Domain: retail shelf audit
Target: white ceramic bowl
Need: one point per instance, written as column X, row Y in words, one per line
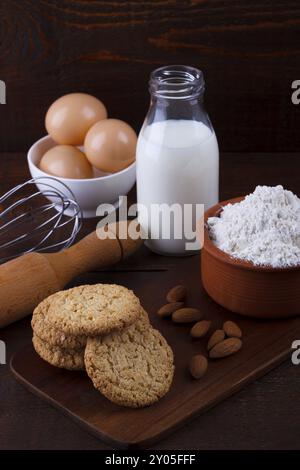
column 89, row 193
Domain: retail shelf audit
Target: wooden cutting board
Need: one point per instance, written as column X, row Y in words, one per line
column 265, row 345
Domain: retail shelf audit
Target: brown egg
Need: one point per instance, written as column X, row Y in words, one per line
column 66, row 161
column 110, row 145
column 70, row 117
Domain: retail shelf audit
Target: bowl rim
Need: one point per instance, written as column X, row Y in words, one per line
column 221, row 255
column 73, row 180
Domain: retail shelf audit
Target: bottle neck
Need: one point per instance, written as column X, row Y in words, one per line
column 177, row 93
column 177, row 83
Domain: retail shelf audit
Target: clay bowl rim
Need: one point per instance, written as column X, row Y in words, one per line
column 214, row 251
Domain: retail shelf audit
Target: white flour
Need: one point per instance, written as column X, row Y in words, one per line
column 264, row 228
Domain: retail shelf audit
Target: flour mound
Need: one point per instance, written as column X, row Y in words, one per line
column 264, row 228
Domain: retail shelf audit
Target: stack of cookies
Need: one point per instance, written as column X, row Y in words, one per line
column 103, row 329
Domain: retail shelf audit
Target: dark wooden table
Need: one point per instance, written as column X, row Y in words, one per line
column 265, row 415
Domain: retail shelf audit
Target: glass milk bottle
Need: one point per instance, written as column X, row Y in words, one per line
column 177, row 160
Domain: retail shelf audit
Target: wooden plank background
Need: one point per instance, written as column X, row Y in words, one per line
column 248, row 51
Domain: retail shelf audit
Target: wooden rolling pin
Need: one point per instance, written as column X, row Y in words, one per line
column 27, row 280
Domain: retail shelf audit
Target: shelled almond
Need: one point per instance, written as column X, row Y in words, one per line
column 198, row 366
column 200, row 329
column 225, row 348
column 177, row 294
column 187, row 315
column 168, row 309
column 232, row 330
column 216, row 337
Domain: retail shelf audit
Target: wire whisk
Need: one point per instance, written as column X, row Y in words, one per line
column 39, row 215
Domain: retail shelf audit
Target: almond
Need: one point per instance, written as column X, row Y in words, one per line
column 198, row 366
column 232, row 329
column 176, row 294
column 225, row 348
column 215, row 338
column 168, row 309
column 200, row 329
column 186, row 315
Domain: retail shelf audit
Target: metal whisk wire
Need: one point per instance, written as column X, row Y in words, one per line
column 46, row 218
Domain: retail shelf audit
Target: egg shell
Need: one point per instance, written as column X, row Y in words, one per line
column 66, row 161
column 70, row 117
column 110, row 145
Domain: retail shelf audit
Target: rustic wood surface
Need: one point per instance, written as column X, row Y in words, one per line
column 248, row 51
column 265, row 345
column 265, row 415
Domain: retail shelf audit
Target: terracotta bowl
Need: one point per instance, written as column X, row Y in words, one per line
column 239, row 286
